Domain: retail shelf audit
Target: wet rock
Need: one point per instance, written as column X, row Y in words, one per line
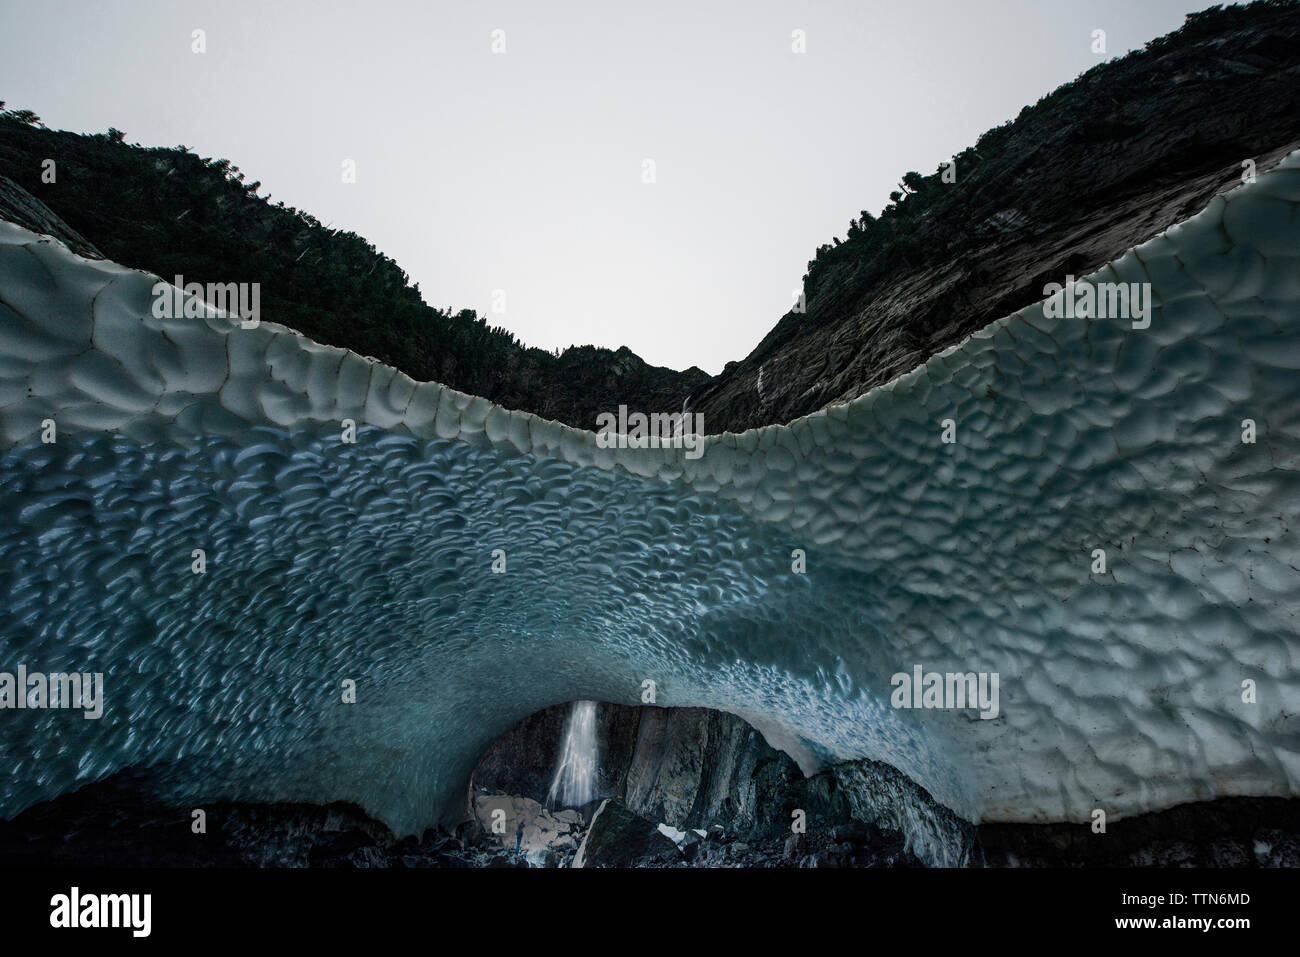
column 690, row 851
column 694, row 767
column 21, row 207
column 690, row 767
column 619, row 838
column 523, row 761
column 796, row 846
column 1274, row 847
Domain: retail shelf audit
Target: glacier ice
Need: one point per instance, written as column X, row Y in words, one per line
column 373, row 562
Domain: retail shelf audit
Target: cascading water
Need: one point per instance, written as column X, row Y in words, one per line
column 575, row 779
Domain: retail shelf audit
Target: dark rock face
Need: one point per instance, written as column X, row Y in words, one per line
column 619, row 838
column 21, row 207
column 845, row 798
column 1100, row 165
column 688, row 767
column 694, row 767
column 523, row 762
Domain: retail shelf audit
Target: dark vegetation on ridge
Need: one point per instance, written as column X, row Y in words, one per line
column 1103, row 163
column 171, row 212
column 1107, row 161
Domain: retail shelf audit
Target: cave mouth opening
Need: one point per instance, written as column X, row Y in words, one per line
column 585, row 783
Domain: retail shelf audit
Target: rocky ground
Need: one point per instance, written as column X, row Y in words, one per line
column 618, row 838
column 117, row 823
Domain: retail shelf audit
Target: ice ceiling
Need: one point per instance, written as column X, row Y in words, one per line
column 372, row 562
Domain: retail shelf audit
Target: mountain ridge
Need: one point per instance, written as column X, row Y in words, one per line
column 1129, row 148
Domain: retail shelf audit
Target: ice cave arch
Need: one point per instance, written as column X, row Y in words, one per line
column 372, row 562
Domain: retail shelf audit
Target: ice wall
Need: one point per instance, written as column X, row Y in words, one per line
column 373, row 562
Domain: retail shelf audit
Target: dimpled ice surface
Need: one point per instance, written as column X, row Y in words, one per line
column 373, row 562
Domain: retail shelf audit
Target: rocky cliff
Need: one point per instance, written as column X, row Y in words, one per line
column 689, row 767
column 21, row 207
column 1098, row 166
column 696, row 768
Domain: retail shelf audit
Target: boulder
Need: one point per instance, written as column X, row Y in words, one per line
column 619, row 838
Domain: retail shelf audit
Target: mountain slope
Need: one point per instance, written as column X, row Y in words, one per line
column 170, row 212
column 1096, row 167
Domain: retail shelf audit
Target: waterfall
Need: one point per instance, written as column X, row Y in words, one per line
column 575, row 778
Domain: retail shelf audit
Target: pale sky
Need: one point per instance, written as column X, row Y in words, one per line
column 522, row 171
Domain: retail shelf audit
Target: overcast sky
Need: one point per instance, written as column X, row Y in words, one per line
column 523, row 171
